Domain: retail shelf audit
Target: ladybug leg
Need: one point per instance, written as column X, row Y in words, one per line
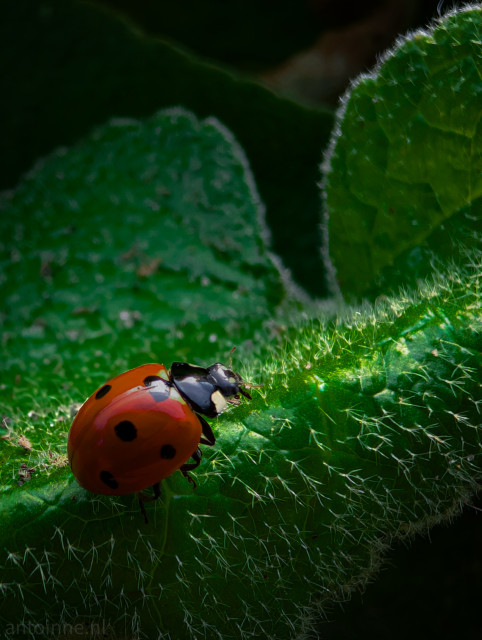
column 245, row 393
column 207, row 433
column 157, row 490
column 142, row 498
column 196, row 456
column 206, row 438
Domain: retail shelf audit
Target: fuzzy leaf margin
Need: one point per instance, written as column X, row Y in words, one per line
column 403, row 174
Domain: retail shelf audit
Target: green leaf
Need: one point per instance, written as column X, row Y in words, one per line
column 364, row 430
column 145, row 241
column 405, row 167
column 107, row 69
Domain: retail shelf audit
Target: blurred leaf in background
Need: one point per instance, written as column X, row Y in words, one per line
column 146, row 235
column 306, row 49
column 403, row 177
column 68, row 67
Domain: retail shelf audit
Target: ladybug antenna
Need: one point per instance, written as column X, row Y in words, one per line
column 231, row 357
column 246, row 385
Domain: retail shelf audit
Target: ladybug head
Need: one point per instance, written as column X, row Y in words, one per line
column 208, row 390
column 228, row 382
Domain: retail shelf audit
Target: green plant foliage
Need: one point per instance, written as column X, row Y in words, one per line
column 147, row 235
column 370, row 429
column 404, row 173
column 69, row 66
column 146, row 240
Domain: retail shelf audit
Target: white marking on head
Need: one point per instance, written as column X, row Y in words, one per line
column 219, row 401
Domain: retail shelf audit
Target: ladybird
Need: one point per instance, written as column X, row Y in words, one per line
column 145, row 424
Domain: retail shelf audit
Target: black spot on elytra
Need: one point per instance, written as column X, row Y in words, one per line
column 103, row 391
column 168, row 452
column 108, row 479
column 126, row 431
column 150, row 379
